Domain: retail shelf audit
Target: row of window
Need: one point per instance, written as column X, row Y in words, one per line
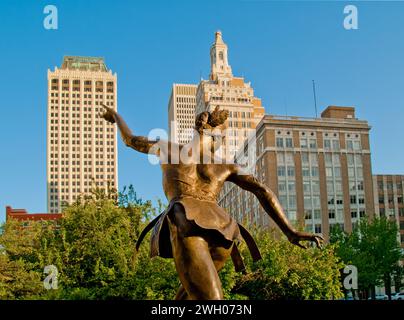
column 243, row 124
column 77, row 95
column 85, row 155
column 333, row 214
column 390, row 199
column 186, row 99
column 391, row 212
column 328, row 144
column 389, row 185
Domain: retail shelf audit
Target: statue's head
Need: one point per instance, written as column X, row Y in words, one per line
column 210, row 120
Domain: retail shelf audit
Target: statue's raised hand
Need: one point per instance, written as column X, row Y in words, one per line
column 109, row 114
column 298, row 236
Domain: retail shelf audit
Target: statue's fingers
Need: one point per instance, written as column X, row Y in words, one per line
column 300, row 245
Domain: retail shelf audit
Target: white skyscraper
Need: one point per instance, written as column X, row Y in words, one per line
column 81, row 146
column 181, row 112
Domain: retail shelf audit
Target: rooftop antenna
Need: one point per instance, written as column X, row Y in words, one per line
column 315, row 97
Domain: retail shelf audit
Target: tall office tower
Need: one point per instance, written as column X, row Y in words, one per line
column 319, row 168
column 181, row 112
column 230, row 93
column 81, row 146
column 389, row 194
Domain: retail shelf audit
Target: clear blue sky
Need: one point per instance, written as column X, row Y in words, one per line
column 278, row 46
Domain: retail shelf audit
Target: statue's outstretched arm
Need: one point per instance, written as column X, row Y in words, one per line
column 272, row 206
column 139, row 143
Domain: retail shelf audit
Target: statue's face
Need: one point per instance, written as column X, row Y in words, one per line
column 204, row 117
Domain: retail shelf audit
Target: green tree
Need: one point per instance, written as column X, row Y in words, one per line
column 287, row 272
column 373, row 248
column 21, row 259
column 94, row 251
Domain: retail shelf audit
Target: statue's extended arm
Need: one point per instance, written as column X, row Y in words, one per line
column 272, row 206
column 139, row 143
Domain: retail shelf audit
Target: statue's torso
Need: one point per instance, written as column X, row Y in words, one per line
column 199, row 181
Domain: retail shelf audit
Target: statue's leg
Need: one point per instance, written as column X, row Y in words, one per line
column 181, row 294
column 195, row 266
column 219, row 256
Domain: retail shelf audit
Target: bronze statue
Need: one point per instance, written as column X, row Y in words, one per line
column 194, row 230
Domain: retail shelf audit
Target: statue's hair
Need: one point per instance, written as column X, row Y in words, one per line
column 215, row 118
column 218, row 117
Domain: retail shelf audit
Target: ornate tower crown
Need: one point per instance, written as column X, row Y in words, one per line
column 219, row 65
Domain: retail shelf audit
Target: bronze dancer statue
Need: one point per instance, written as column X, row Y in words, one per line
column 194, row 230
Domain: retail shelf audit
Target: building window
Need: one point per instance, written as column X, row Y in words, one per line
column 289, row 143
column 330, row 187
column 317, row 214
column 317, row 228
column 280, row 157
column 316, row 201
column 289, row 158
column 281, row 171
column 312, row 144
column 382, row 212
column 292, row 215
column 340, row 215
column 283, row 201
column 327, row 144
column 279, row 142
column 331, row 213
column 336, row 160
column 335, row 144
column 291, row 187
column 354, row 214
column 292, row 201
column 307, row 202
column 316, row 186
column 306, row 187
column 328, row 158
column 351, row 161
column 282, row 187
